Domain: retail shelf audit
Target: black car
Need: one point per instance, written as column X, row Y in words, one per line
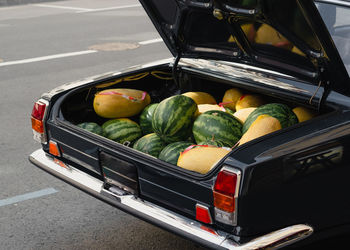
column 287, row 186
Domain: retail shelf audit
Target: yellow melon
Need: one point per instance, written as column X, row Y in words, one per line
column 206, row 107
column 268, row 35
column 118, row 103
column 230, row 98
column 201, row 97
column 201, row 159
column 242, row 114
column 304, row 114
column 297, row 51
column 248, row 101
column 263, row 125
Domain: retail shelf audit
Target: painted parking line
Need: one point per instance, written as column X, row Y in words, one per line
column 110, row 8
column 156, row 40
column 45, row 58
column 77, row 53
column 27, row 196
column 61, row 7
column 86, row 10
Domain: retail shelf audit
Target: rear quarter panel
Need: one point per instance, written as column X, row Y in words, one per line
column 297, row 176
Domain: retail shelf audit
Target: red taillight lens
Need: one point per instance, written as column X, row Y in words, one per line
column 226, row 183
column 224, row 191
column 203, row 214
column 39, row 111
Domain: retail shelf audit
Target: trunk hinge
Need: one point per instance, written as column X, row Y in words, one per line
column 174, row 70
column 325, row 82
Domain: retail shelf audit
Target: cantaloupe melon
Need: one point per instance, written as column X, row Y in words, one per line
column 201, row 158
column 201, row 97
column 242, row 114
column 118, row 103
column 206, row 107
column 248, row 101
column 231, row 97
column 304, row 114
column 263, row 125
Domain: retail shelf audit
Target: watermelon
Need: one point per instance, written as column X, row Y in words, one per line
column 122, row 130
column 172, row 151
column 146, row 118
column 150, row 144
column 281, row 112
column 92, row 127
column 172, row 119
column 106, row 123
column 217, row 125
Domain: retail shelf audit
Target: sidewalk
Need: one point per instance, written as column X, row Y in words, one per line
column 17, row 2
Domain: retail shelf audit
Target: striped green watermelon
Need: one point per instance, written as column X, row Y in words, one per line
column 172, row 151
column 172, row 120
column 92, row 127
column 150, row 144
column 146, row 118
column 106, row 123
column 217, row 125
column 281, row 112
column 122, row 130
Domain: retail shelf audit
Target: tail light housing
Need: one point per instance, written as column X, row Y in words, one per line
column 225, row 194
column 37, row 119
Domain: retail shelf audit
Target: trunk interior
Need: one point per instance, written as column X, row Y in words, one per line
column 77, row 106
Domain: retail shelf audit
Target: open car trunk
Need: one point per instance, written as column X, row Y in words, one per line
column 144, row 175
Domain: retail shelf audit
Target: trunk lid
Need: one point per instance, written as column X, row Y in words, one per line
column 287, row 36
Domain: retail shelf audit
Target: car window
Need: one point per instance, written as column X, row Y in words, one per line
column 337, row 20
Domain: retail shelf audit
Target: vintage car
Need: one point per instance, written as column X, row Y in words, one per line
column 284, row 187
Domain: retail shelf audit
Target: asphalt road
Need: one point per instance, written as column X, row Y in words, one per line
column 42, row 46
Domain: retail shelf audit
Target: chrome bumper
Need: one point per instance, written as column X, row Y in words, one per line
column 161, row 217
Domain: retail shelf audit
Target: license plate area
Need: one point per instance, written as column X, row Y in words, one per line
column 120, row 173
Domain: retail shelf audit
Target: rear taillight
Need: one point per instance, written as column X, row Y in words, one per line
column 225, row 194
column 37, row 118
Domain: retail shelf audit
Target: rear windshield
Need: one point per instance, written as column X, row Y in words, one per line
column 337, row 20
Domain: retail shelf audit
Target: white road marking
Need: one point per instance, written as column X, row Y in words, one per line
column 61, row 7
column 110, row 8
column 45, row 58
column 77, row 53
column 156, row 40
column 27, row 196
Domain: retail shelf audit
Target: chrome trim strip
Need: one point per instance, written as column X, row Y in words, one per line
column 163, row 217
column 121, row 175
column 75, row 84
column 76, row 150
column 79, row 162
column 337, row 2
column 241, row 72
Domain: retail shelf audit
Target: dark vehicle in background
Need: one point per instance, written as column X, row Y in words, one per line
column 289, row 187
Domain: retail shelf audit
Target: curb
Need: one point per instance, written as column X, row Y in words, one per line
column 19, row 2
